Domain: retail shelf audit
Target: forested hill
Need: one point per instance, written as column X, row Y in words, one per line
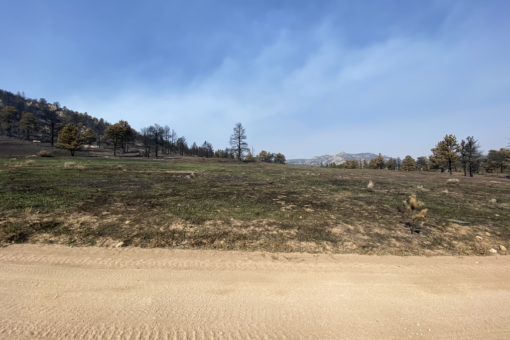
column 38, row 119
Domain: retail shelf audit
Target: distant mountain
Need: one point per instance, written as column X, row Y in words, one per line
column 339, row 158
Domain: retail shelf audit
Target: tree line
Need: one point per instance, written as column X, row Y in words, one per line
column 448, row 155
column 239, row 149
column 31, row 119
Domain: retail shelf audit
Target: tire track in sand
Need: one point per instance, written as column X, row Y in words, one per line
column 57, row 292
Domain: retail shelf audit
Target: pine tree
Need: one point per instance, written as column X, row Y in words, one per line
column 422, row 163
column 265, row 156
column 446, row 151
column 157, row 133
column 27, row 123
column 52, row 119
column 207, row 150
column 279, row 158
column 353, row 164
column 391, row 164
column 100, row 130
column 249, row 157
column 498, row 159
column 89, row 136
column 194, row 149
column 470, row 155
column 119, row 133
column 238, row 141
column 70, row 139
column 379, row 162
column 408, row 164
column 182, row 146
column 7, row 117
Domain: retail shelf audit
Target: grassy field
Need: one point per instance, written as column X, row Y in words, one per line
column 197, row 203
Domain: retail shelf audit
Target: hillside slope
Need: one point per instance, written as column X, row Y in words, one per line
column 38, row 119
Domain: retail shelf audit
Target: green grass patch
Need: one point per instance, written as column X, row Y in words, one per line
column 227, row 205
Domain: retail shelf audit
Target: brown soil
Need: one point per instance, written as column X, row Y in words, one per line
column 57, row 292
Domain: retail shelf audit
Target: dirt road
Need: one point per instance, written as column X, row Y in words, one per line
column 58, row 292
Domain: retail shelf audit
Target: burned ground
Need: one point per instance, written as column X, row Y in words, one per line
column 196, row 203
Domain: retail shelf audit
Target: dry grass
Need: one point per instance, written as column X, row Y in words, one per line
column 207, row 204
column 74, row 165
column 20, row 164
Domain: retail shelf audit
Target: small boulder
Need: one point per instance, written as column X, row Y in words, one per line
column 493, row 251
column 478, row 238
column 452, row 181
column 493, row 201
column 119, row 245
column 502, row 248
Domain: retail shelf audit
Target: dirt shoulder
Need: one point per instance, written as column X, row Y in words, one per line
column 61, row 292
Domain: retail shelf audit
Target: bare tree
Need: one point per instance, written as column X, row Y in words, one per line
column 157, row 133
column 182, row 146
column 146, row 142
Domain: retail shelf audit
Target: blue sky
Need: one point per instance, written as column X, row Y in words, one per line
column 304, row 77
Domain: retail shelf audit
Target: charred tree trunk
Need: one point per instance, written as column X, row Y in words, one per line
column 52, row 127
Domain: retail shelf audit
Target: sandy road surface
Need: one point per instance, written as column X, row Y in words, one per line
column 59, row 292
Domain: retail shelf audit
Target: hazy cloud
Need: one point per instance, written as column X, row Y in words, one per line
column 316, row 88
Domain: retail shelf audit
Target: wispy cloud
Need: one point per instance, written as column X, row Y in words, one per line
column 321, row 84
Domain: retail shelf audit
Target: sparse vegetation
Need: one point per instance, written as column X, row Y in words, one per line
column 210, row 201
column 200, row 203
column 73, row 165
column 417, row 213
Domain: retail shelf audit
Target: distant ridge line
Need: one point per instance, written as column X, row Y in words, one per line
column 339, row 158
